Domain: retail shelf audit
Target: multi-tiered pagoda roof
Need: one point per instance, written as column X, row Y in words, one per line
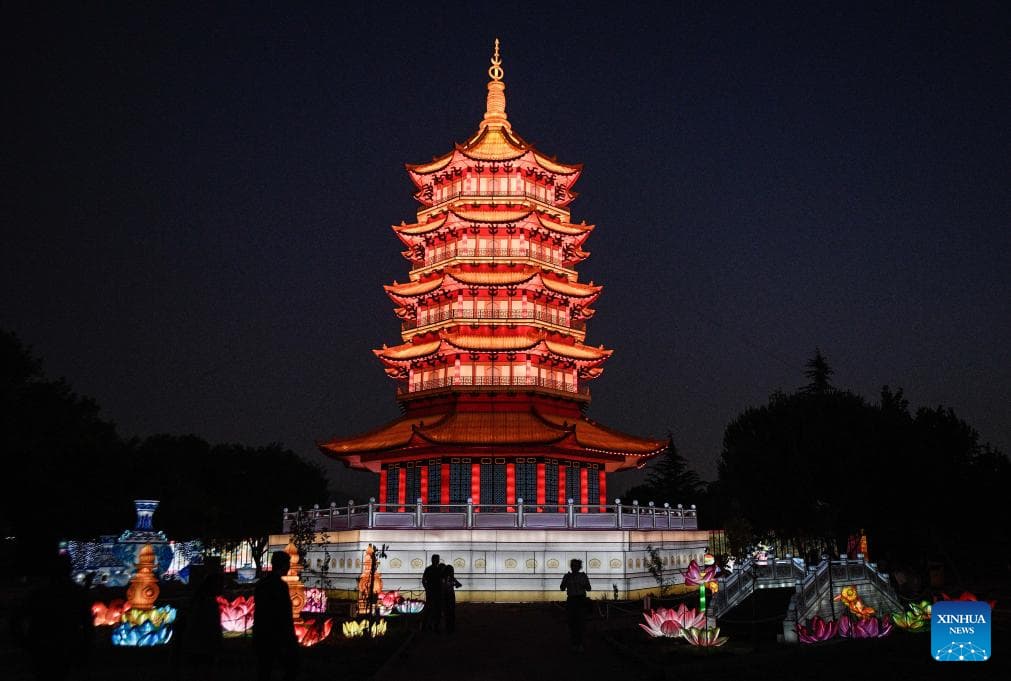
column 493, row 364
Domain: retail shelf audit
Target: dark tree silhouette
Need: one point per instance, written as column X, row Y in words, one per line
column 70, row 475
column 821, row 463
column 818, row 373
column 669, row 480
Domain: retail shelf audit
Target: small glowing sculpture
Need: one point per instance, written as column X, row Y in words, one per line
column 851, row 599
column 670, row 623
column 315, row 600
column 354, row 629
column 296, row 589
column 237, row 616
column 143, row 590
column 704, row 638
column 108, row 615
column 410, row 606
column 865, row 627
column 370, row 572
column 817, row 630
column 144, row 628
column 310, row 633
column 915, row 619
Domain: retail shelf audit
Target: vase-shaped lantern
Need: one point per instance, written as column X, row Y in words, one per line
column 143, row 590
column 296, row 589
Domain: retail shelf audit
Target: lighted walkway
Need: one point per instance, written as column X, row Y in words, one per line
column 504, row 642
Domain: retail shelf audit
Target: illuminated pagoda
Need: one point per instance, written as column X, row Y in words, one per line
column 493, row 369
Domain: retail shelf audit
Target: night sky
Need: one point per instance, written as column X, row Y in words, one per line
column 197, row 202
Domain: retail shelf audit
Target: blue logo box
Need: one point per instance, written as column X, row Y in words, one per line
column 960, row 631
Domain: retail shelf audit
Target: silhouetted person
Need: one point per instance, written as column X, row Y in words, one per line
column 431, row 579
column 273, row 628
column 575, row 584
column 199, row 630
column 449, row 587
column 55, row 625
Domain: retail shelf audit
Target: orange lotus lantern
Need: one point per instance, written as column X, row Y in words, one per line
column 108, row 615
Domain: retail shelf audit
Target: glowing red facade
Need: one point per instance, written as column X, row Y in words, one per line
column 492, row 372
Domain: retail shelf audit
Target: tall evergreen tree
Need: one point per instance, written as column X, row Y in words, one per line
column 819, row 374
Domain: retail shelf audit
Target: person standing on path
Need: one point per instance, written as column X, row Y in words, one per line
column 575, row 584
column 273, row 627
column 431, row 579
column 449, row 587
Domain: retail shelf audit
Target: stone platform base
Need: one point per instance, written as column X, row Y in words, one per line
column 503, row 566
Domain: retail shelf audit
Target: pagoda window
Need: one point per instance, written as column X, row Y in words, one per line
column 413, row 482
column 593, row 483
column 459, row 481
column 392, row 482
column 493, row 482
column 572, row 481
column 526, row 480
column 551, row 482
column 434, row 482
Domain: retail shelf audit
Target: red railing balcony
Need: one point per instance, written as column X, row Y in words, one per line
column 532, row 252
column 437, row 317
column 406, row 389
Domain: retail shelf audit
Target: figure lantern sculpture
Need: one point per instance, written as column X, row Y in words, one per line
column 315, row 600
column 851, row 599
column 370, row 582
column 296, row 589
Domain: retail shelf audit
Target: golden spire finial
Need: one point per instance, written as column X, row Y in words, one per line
column 495, row 71
column 495, row 114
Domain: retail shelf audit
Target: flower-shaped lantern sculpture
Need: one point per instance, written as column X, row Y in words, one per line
column 915, row 619
column 309, row 633
column 817, row 630
column 704, row 638
column 670, row 623
column 237, row 616
column 705, row 579
column 865, row 627
column 108, row 615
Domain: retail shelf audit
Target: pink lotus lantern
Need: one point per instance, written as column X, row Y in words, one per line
column 237, row 616
column 669, row 623
column 310, row 633
column 866, row 627
column 109, row 615
column 817, row 630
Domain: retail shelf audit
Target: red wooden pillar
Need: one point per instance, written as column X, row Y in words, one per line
column 511, row 486
column 475, row 483
column 401, row 487
column 603, row 490
column 382, row 488
column 540, row 488
column 424, row 484
column 444, row 483
column 561, row 486
column 584, row 489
